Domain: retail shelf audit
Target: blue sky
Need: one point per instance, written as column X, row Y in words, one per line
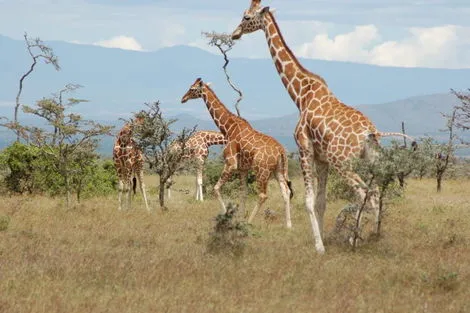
column 426, row 33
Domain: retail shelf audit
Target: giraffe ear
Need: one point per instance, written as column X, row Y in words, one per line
column 273, row 10
column 209, row 84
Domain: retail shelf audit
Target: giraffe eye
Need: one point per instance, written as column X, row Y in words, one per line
column 246, row 17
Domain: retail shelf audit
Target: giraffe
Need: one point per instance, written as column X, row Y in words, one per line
column 197, row 148
column 129, row 163
column 246, row 149
column 328, row 133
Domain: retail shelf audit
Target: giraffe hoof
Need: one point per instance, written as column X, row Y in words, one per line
column 320, row 249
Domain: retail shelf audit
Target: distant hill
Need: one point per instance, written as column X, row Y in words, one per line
column 118, row 82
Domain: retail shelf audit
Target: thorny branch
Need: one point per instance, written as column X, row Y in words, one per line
column 225, row 43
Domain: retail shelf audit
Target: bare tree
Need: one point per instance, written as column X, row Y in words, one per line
column 155, row 139
column 37, row 50
column 225, row 43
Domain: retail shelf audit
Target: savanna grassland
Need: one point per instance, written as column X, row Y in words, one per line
column 93, row 258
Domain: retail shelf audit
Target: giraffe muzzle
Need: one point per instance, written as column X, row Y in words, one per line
column 184, row 99
column 237, row 33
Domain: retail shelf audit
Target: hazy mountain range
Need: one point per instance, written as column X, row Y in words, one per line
column 118, row 82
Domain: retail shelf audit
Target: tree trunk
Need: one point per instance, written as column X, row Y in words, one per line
column 161, row 195
column 439, row 182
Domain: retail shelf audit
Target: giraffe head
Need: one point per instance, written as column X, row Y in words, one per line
column 252, row 20
column 195, row 91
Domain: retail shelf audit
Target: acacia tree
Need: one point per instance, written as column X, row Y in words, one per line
column 155, row 139
column 70, row 141
column 37, row 51
column 225, row 43
column 440, row 155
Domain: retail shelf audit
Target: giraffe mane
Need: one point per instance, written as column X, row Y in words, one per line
column 290, row 51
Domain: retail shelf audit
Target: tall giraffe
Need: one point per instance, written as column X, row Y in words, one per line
column 129, row 163
column 246, row 149
column 197, row 148
column 328, row 133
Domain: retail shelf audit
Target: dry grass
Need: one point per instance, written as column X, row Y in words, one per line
column 95, row 259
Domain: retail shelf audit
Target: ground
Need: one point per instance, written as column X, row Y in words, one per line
column 93, row 258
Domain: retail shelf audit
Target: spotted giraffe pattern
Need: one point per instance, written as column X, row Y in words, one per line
column 129, row 164
column 246, row 149
column 197, row 148
column 328, row 133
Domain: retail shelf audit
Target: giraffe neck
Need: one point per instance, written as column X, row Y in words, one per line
column 292, row 73
column 223, row 118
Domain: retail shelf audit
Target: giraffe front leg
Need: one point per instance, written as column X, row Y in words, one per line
column 199, row 195
column 120, row 191
column 127, row 190
column 306, row 158
column 140, row 178
column 226, row 173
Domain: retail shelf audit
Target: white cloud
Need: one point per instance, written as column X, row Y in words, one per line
column 440, row 46
column 121, row 42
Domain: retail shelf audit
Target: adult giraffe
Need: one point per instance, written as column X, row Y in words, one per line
column 328, row 132
column 129, row 163
column 197, row 148
column 246, row 149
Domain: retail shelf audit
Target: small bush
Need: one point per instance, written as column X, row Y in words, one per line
column 228, row 235
column 4, row 222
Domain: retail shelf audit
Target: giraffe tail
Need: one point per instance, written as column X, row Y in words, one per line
column 414, row 144
column 396, row 134
column 285, row 171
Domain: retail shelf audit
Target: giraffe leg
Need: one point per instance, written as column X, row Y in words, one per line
column 120, row 191
column 285, row 192
column 168, row 187
column 226, row 173
column 140, row 178
column 244, row 192
column 321, row 169
column 199, row 195
column 127, row 191
column 306, row 157
column 262, row 196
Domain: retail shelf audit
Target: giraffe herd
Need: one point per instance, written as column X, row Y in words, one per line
column 328, row 134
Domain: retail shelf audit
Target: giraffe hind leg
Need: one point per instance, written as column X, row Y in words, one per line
column 262, row 182
column 286, row 195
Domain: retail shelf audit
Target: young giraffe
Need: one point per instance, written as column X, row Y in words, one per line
column 246, row 149
column 129, row 163
column 328, row 132
column 197, row 148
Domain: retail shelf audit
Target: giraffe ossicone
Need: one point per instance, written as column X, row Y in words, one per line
column 328, row 133
column 129, row 163
column 246, row 149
